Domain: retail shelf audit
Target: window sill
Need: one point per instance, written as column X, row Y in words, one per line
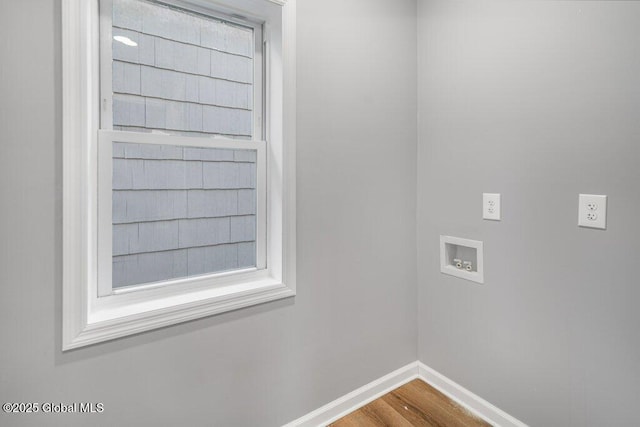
column 118, row 320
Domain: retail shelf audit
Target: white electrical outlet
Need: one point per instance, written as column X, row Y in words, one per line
column 592, row 211
column 491, row 206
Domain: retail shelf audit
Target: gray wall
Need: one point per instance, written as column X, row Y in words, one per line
column 538, row 101
column 354, row 318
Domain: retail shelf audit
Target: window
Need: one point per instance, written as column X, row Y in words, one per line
column 182, row 203
column 179, row 174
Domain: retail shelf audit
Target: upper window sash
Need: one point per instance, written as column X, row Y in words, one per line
column 206, row 13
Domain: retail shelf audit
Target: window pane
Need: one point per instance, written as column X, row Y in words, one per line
column 181, row 211
column 180, row 72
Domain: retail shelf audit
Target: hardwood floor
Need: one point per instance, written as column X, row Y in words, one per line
column 414, row 404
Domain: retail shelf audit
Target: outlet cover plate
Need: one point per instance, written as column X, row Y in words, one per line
column 491, row 206
column 592, row 211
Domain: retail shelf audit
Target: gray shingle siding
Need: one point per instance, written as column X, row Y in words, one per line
column 152, row 19
column 143, row 53
column 158, row 205
column 183, row 57
column 212, row 258
column 228, row 175
column 193, row 209
column 186, row 74
column 195, row 153
column 204, row 232
column 231, row 67
column 148, row 151
column 149, row 205
column 156, row 174
column 212, row 203
column 246, row 254
column 126, row 78
column 156, row 266
column 139, row 174
column 246, row 202
column 152, row 267
column 129, row 110
column 180, row 211
column 162, row 114
column 243, row 228
column 176, row 116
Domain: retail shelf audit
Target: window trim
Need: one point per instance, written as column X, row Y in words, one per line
column 88, row 319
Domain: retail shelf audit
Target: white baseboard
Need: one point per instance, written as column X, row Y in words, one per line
column 357, row 398
column 367, row 393
column 454, row 391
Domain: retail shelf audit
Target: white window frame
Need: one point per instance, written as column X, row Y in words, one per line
column 107, row 136
column 89, row 318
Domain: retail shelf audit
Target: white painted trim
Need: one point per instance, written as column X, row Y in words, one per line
column 469, row 400
column 124, row 324
column 357, row 398
column 258, row 106
column 105, row 10
column 105, row 216
column 289, row 135
column 161, row 138
column 74, row 205
column 377, row 388
column 88, row 319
